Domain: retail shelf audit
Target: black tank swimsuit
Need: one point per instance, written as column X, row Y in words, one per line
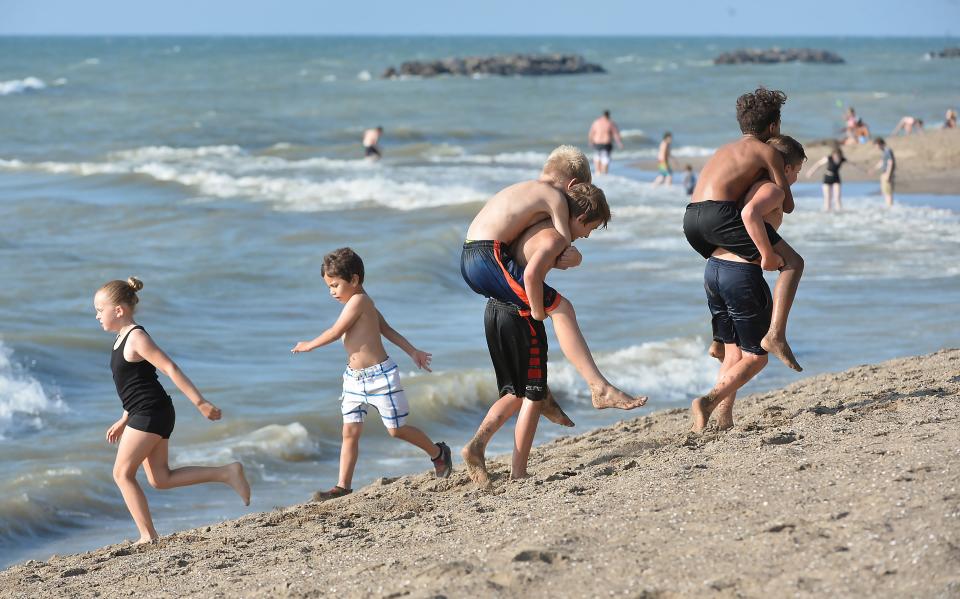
column 832, row 173
column 143, row 397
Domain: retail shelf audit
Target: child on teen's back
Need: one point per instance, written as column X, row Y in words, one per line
column 371, row 377
column 144, row 430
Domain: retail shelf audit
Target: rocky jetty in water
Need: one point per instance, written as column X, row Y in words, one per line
column 527, row 65
column 775, row 55
column 945, row 53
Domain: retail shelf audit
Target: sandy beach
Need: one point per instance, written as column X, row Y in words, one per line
column 844, row 484
column 926, row 163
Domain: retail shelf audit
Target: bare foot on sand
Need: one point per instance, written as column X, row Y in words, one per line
column 717, row 350
column 608, row 396
column 146, row 541
column 519, row 475
column 239, row 482
column 701, row 408
column 553, row 412
column 779, row 347
column 472, row 454
column 724, row 415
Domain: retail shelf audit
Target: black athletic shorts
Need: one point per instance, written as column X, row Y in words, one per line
column 158, row 420
column 709, row 225
column 518, row 348
column 740, row 303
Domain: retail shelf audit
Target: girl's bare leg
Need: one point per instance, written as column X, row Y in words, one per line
column 160, row 476
column 836, row 197
column 826, row 197
column 134, row 448
column 574, row 348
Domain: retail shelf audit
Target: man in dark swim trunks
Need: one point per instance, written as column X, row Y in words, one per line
column 371, row 137
column 603, row 132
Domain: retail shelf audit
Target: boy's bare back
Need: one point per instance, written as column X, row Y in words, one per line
column 512, row 210
column 734, row 168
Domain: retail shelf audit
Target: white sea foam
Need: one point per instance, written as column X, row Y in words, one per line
column 23, row 402
column 274, row 442
column 676, row 152
column 668, row 371
column 19, row 86
column 364, row 76
column 632, row 133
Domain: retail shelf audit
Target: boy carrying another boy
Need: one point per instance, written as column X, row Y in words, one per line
column 371, row 377
column 518, row 344
column 489, row 268
column 712, row 220
column 739, row 298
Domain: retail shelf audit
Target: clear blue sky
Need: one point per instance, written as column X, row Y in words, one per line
column 485, row 17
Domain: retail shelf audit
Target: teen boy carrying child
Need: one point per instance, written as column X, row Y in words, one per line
column 489, row 268
column 738, row 297
column 371, row 377
column 518, row 344
column 713, row 219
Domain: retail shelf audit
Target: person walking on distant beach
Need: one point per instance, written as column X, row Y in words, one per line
column 664, row 170
column 950, row 119
column 831, row 176
column 144, row 430
column 603, row 133
column 887, row 167
column 371, row 379
column 371, row 139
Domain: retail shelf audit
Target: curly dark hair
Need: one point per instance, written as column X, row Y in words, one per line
column 758, row 110
column 343, row 263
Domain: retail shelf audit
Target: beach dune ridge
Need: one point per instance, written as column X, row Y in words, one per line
column 843, row 484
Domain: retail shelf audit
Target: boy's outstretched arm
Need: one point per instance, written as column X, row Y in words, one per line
column 420, row 358
column 766, row 200
column 543, row 258
column 774, row 162
column 560, row 214
column 346, row 319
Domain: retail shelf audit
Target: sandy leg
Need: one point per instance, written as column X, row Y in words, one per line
column 716, row 350
column 238, row 481
column 472, row 454
column 779, row 347
column 552, row 411
column 701, row 408
column 608, row 396
column 724, row 414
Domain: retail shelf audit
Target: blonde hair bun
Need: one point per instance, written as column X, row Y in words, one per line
column 135, row 283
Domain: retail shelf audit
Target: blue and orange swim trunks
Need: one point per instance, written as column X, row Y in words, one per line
column 490, row 270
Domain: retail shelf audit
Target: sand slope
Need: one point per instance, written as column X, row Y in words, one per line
column 839, row 485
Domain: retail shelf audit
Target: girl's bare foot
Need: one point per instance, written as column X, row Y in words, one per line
column 552, row 411
column 519, row 475
column 238, row 481
column 608, row 396
column 716, row 350
column 779, row 347
column 146, row 540
column 472, row 454
column 701, row 408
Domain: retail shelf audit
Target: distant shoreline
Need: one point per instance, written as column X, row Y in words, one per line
column 928, row 162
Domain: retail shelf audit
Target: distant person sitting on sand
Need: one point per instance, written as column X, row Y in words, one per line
column 664, row 171
column 739, row 298
column 371, row 137
column 518, row 345
column 689, row 179
column 713, row 219
column 862, row 132
column 490, row 269
column 603, row 133
column 371, row 379
column 831, row 176
column 950, row 119
column 907, row 124
column 148, row 416
column 887, row 167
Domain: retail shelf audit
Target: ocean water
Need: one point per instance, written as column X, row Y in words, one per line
column 220, row 170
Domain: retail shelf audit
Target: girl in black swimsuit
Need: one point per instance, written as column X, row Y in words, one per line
column 148, row 416
column 831, row 176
